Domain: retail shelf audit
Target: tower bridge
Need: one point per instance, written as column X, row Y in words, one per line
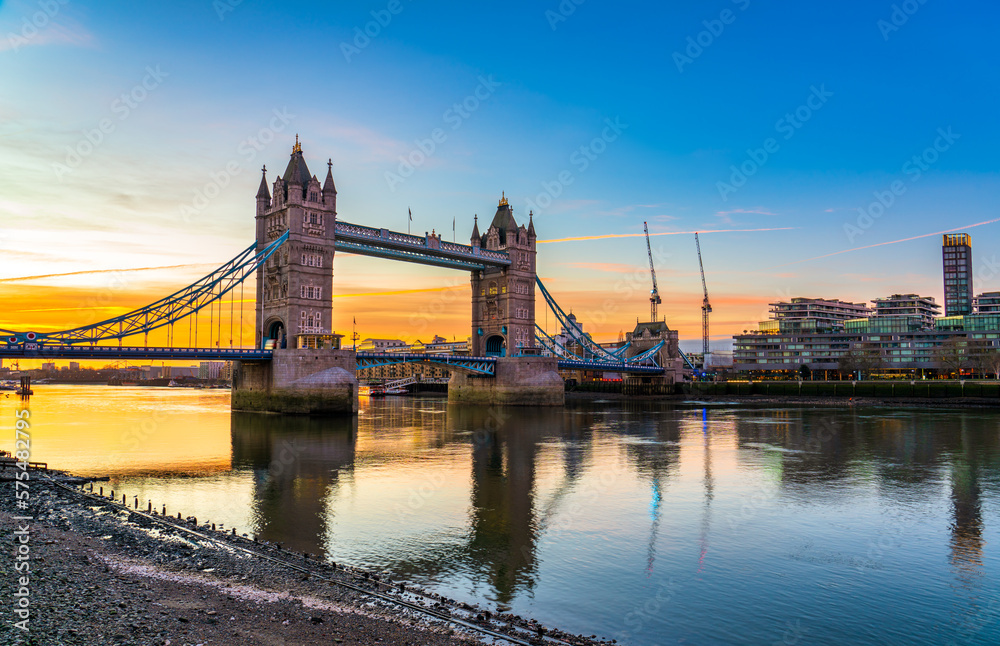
column 297, row 365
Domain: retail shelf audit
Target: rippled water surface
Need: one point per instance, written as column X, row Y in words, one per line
column 649, row 523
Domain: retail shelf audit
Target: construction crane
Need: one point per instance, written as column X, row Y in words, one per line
column 654, row 294
column 706, row 307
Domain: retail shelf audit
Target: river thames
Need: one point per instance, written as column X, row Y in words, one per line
column 650, row 523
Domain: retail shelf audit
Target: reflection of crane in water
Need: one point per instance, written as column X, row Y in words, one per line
column 657, row 460
column 706, row 519
column 654, row 529
column 573, row 463
column 656, row 514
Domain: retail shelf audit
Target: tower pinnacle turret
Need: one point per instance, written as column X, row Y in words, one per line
column 263, row 192
column 263, row 195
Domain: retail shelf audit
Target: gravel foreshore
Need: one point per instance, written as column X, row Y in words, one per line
column 104, row 574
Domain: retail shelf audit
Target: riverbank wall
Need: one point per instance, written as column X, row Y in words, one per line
column 922, row 390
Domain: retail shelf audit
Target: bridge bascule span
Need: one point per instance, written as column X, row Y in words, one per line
column 296, row 363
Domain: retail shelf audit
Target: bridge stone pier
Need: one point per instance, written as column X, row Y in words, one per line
column 519, row 381
column 298, row 381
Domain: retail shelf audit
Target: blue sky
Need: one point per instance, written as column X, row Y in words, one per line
column 550, row 77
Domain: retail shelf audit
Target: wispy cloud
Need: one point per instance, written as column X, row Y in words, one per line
column 609, row 267
column 374, row 146
column 61, row 30
column 726, row 216
column 17, row 279
column 662, row 233
column 890, row 242
column 623, row 211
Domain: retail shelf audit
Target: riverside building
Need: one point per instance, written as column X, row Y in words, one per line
column 900, row 337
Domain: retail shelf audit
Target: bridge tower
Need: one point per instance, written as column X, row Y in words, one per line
column 503, row 299
column 295, row 287
column 295, row 297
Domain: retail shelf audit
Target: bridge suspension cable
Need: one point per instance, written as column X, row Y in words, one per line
column 572, row 327
column 183, row 303
column 577, row 335
column 552, row 345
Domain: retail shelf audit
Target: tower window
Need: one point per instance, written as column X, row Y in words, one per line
column 312, row 260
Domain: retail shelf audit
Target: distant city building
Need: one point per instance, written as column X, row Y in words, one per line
column 49, row 365
column 423, row 371
column 717, row 359
column 381, row 345
column 564, row 339
column 210, row 369
column 987, row 303
column 958, row 288
column 440, row 345
column 74, row 365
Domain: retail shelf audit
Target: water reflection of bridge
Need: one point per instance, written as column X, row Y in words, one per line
column 301, row 465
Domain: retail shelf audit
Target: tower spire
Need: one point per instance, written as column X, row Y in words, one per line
column 329, row 188
column 263, row 192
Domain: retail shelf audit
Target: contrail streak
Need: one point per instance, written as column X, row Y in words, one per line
column 882, row 244
column 665, row 233
column 99, row 271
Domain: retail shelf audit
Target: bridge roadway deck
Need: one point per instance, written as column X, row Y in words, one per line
column 28, row 351
column 36, row 351
column 425, row 250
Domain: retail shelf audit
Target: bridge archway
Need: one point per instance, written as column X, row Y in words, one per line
column 276, row 331
column 495, row 345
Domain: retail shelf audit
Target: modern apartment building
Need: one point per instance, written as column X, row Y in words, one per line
column 987, row 303
column 811, row 315
column 923, row 308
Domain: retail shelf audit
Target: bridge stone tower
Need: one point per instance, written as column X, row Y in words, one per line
column 295, row 286
column 503, row 299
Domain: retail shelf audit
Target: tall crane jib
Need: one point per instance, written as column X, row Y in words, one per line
column 706, row 307
column 654, row 294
